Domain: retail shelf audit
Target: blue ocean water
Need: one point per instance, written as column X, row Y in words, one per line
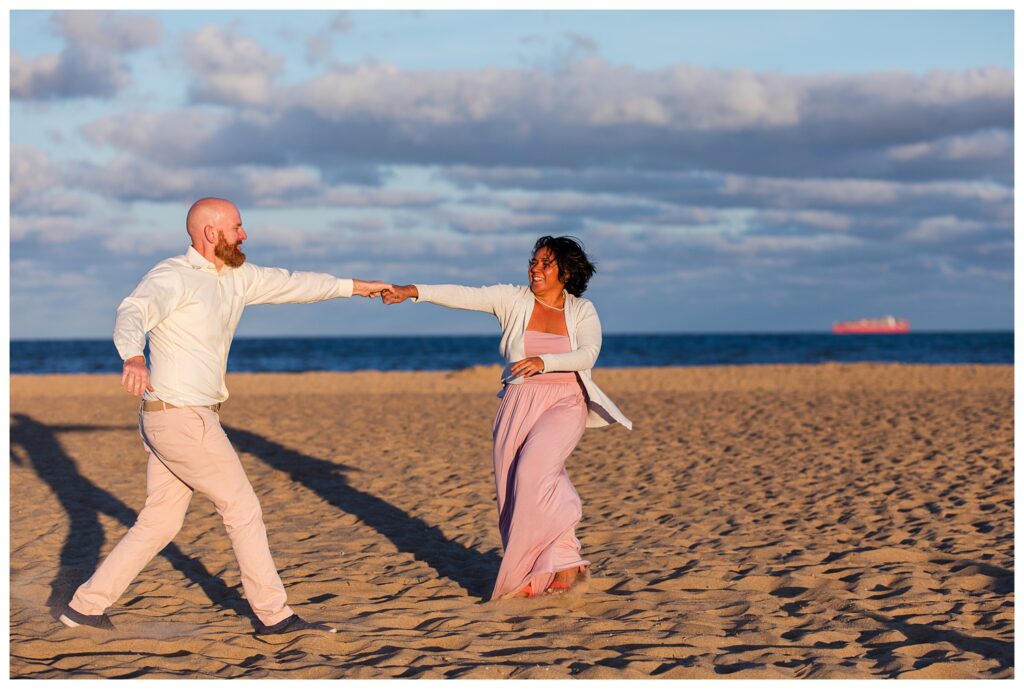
column 457, row 352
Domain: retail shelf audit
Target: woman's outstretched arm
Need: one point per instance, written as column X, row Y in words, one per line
column 494, row 299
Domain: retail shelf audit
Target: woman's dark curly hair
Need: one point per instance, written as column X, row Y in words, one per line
column 574, row 268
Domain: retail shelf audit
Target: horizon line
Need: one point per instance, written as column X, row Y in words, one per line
column 621, row 333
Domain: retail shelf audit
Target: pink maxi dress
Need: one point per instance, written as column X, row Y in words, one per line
column 538, row 425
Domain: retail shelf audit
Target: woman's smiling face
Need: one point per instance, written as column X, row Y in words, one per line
column 543, row 272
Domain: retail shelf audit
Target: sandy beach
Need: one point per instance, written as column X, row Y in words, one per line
column 831, row 521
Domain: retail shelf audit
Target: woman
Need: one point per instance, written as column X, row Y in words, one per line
column 551, row 338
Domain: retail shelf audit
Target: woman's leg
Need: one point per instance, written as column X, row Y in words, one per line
column 540, row 507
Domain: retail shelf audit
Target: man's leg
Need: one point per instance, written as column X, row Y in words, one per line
column 192, row 444
column 158, row 522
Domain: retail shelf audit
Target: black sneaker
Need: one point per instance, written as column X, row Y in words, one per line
column 73, row 618
column 293, row 624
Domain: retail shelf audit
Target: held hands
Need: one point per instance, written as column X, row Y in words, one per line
column 371, row 288
column 524, row 368
column 135, row 376
column 396, row 294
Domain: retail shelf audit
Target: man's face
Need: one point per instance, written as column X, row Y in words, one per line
column 229, row 238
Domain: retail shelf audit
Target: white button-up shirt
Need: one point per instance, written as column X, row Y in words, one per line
column 191, row 310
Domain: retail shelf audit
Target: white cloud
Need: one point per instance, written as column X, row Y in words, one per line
column 134, row 179
column 32, row 173
column 679, row 98
column 483, row 222
column 36, row 186
column 591, row 115
column 229, row 69
column 571, row 202
column 365, row 197
column 136, row 242
column 34, row 275
column 279, row 186
column 822, row 220
column 318, row 46
column 986, row 144
column 942, row 229
column 92, row 62
column 386, row 92
column 117, row 32
column 52, row 229
column 702, row 190
column 160, row 137
column 128, row 178
column 752, row 249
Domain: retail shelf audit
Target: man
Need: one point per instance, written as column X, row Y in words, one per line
column 190, row 305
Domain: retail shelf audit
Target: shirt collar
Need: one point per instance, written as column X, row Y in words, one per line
column 198, row 261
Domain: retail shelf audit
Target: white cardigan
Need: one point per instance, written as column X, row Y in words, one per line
column 513, row 306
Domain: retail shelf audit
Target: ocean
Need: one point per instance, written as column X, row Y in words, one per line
column 440, row 353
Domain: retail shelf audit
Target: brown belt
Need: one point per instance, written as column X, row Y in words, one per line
column 160, row 405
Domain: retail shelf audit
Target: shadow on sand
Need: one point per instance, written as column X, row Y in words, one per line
column 472, row 570
column 84, row 501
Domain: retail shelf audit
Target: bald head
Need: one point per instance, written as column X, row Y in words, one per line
column 205, row 212
column 215, row 227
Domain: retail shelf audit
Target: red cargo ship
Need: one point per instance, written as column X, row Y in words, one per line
column 872, row 326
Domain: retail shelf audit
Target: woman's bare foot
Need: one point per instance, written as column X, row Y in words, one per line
column 567, row 576
column 564, row 580
column 525, row 592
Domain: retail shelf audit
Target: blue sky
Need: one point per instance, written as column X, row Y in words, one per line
column 729, row 171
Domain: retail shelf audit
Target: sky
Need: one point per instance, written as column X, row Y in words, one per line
column 727, row 171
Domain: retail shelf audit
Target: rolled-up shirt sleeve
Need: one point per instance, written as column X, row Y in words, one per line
column 588, row 345
column 280, row 286
column 152, row 300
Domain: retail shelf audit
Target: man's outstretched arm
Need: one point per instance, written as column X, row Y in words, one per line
column 279, row 286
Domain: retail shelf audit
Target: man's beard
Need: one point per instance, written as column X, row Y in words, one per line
column 229, row 253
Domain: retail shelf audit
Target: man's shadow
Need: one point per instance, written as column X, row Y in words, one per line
column 84, row 501
column 474, row 571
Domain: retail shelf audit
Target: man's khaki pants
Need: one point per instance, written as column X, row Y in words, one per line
column 188, row 452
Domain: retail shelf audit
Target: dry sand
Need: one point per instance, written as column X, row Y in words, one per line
column 826, row 521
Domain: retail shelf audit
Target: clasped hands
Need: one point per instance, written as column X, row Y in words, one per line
column 396, row 294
